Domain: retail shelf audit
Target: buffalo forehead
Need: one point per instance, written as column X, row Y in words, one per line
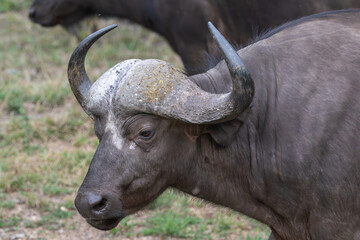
column 151, row 82
column 102, row 91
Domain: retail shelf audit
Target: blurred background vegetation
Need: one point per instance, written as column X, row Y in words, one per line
column 47, row 142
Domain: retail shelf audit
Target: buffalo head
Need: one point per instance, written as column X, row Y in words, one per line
column 63, row 12
column 147, row 117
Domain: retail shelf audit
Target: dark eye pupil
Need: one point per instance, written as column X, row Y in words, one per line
column 146, row 133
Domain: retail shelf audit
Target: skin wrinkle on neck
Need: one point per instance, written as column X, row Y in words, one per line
column 221, row 187
column 213, row 81
column 250, row 203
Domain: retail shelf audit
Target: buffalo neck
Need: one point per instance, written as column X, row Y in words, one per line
column 224, row 175
column 223, row 169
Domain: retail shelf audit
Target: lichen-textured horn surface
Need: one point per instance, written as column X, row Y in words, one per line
column 78, row 78
column 155, row 87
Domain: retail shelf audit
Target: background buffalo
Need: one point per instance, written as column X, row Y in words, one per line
column 183, row 23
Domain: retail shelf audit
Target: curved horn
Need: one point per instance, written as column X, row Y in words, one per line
column 155, row 87
column 78, row 79
column 242, row 83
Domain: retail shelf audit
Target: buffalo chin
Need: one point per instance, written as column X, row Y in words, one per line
column 104, row 224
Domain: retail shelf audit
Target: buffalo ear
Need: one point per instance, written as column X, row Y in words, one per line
column 224, row 133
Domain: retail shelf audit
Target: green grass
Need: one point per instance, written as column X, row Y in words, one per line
column 258, row 237
column 165, row 200
column 7, row 223
column 47, row 141
column 222, row 225
column 13, row 5
column 55, row 218
column 54, row 190
column 7, row 204
column 169, row 224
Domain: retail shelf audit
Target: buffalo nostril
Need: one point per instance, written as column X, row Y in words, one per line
column 100, row 206
column 32, row 13
column 96, row 202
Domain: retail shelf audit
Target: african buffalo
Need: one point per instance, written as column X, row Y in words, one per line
column 272, row 131
column 183, row 23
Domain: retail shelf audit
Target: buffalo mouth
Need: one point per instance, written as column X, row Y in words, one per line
column 104, row 224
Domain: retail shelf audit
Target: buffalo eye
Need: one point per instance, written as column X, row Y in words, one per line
column 146, row 134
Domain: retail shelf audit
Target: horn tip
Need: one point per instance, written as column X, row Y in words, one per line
column 216, row 34
column 112, row 26
column 108, row 28
column 211, row 27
